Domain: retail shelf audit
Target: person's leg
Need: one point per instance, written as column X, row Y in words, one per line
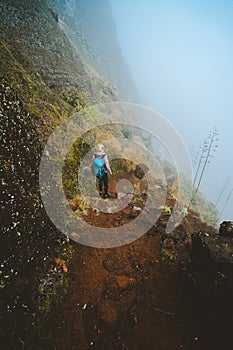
column 100, row 184
column 105, row 180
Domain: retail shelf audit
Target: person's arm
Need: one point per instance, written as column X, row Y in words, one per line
column 93, row 157
column 106, row 162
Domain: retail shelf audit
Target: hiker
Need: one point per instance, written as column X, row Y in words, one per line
column 101, row 168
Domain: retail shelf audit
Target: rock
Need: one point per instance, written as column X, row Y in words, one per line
column 125, row 282
column 226, row 229
column 210, row 268
column 208, row 285
column 137, row 208
column 213, row 248
column 133, row 214
column 141, row 170
column 127, row 211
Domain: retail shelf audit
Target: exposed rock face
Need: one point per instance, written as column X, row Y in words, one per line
column 212, row 248
column 210, row 286
column 94, row 32
column 41, row 45
column 211, row 264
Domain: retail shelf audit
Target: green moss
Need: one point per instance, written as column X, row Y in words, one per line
column 166, row 209
column 78, row 100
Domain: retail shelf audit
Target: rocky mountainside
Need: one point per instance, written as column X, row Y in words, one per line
column 93, row 31
column 44, row 80
column 31, row 33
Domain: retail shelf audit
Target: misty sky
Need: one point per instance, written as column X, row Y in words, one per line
column 181, row 57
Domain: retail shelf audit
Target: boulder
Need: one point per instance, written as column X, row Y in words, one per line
column 208, row 286
column 141, row 170
column 226, row 229
column 213, row 248
column 210, row 267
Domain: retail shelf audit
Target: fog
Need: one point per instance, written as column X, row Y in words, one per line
column 181, row 57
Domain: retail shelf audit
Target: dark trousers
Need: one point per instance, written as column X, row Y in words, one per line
column 103, row 180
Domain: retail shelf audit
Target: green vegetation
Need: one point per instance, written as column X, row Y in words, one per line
column 184, row 211
column 77, row 100
column 128, row 134
column 166, row 209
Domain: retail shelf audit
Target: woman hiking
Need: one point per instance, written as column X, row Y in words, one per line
column 101, row 168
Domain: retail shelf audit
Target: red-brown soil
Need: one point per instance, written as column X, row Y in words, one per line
column 129, row 297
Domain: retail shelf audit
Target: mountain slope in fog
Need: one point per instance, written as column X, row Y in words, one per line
column 94, row 32
column 32, row 33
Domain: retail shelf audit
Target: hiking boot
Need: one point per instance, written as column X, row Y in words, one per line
column 106, row 195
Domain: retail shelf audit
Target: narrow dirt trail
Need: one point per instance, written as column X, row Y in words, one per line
column 129, row 297
column 123, row 298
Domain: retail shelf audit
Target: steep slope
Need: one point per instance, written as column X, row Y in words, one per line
column 94, row 32
column 38, row 43
column 44, row 80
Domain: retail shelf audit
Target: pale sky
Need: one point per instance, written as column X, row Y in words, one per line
column 181, row 57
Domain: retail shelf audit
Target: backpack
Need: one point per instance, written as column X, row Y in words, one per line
column 98, row 166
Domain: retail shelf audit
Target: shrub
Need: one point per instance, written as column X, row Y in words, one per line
column 128, row 134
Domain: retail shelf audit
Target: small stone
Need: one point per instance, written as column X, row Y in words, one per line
column 125, row 282
column 84, row 306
